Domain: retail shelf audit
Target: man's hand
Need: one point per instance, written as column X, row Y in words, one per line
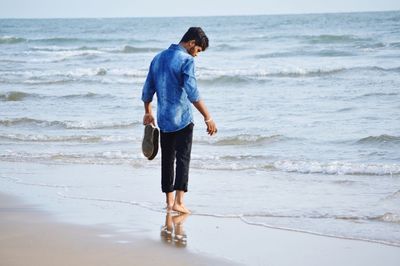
column 148, row 119
column 211, row 127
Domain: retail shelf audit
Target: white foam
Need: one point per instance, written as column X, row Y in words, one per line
column 142, row 73
column 96, row 74
column 89, row 124
column 336, row 167
column 390, row 217
column 105, row 158
column 61, row 55
column 257, row 73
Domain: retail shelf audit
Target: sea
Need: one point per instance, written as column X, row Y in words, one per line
column 307, row 108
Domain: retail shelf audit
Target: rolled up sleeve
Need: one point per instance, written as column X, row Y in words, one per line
column 149, row 87
column 189, row 81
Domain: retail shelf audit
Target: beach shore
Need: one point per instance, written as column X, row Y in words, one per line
column 29, row 236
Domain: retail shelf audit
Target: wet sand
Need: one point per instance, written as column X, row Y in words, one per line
column 29, row 236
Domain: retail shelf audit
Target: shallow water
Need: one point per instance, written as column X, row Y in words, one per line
column 307, row 108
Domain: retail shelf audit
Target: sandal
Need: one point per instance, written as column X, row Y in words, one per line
column 150, row 141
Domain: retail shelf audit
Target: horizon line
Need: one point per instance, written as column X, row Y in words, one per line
column 221, row 15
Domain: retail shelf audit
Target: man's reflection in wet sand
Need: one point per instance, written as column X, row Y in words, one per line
column 172, row 231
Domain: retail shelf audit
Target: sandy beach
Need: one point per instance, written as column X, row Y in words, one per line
column 29, row 236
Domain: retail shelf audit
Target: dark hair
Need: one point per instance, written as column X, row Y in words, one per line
column 198, row 35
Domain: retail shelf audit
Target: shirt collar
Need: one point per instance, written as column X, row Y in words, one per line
column 178, row 47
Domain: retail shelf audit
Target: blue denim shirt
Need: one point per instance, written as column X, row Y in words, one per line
column 171, row 76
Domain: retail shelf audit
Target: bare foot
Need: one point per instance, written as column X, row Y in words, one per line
column 180, row 208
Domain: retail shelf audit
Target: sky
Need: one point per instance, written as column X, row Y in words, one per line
column 173, row 8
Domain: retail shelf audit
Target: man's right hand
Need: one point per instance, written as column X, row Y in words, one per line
column 211, row 127
column 148, row 119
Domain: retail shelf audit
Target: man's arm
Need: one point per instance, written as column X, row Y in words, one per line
column 211, row 126
column 148, row 117
column 147, row 96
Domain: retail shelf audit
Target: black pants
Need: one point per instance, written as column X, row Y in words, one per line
column 176, row 146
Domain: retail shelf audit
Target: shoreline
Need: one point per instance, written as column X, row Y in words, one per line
column 31, row 236
column 26, row 229
column 116, row 212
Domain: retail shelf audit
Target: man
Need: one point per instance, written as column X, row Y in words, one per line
column 171, row 76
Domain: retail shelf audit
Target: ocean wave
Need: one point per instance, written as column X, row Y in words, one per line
column 277, row 55
column 94, row 74
column 388, row 217
column 62, row 40
column 15, row 96
column 336, row 168
column 85, row 80
column 55, row 54
column 63, row 55
column 205, row 76
column 260, row 74
column 11, row 40
column 245, row 76
column 306, row 72
column 61, row 77
column 84, row 50
column 226, row 47
column 215, row 75
column 67, row 40
column 346, row 109
column 372, row 46
column 62, row 49
column 386, row 139
column 74, row 138
column 378, row 94
column 98, row 124
column 131, row 50
column 380, row 69
column 135, row 73
column 314, row 39
column 229, row 79
column 313, row 215
column 395, row 44
column 88, row 95
column 332, row 53
column 234, row 76
column 9, row 60
column 53, row 81
column 45, row 138
column 394, row 195
column 57, row 40
column 106, row 157
column 330, row 38
column 25, row 121
column 265, row 163
column 226, row 162
column 244, row 139
column 320, row 53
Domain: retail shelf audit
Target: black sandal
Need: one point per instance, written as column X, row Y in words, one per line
column 150, row 141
